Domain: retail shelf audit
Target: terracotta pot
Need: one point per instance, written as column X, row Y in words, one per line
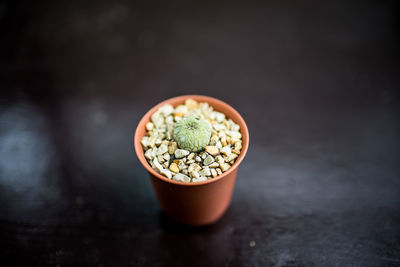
column 194, row 203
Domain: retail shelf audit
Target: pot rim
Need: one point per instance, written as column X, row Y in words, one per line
column 201, row 98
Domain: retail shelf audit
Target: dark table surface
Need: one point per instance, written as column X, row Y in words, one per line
column 317, row 83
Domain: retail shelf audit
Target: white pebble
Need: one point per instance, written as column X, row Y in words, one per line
column 180, row 153
column 163, row 148
column 213, row 165
column 166, row 156
column 205, row 171
column 235, row 127
column 157, row 166
column 149, row 126
column 226, row 150
column 208, row 160
column 160, row 158
column 219, row 117
column 236, row 135
column 195, row 174
column 148, row 154
column 166, row 109
column 200, row 179
column 218, row 145
column 231, row 157
column 145, row 141
column 219, row 127
column 181, row 177
column 167, row 173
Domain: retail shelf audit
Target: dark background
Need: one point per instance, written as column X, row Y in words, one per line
column 316, row 81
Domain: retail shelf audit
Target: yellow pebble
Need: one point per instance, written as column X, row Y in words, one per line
column 174, row 167
column 191, row 104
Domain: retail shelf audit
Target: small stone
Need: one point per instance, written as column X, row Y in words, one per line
column 180, row 153
column 208, row 160
column 166, row 109
column 190, row 161
column 234, row 127
column 165, row 165
column 181, row 109
column 157, row 119
column 238, row 146
column 154, row 152
column 233, row 134
column 196, row 167
column 219, row 117
column 235, row 151
column 230, row 141
column 166, row 156
column 162, row 149
column 219, row 159
column 185, row 171
column 152, row 141
column 181, row 177
column 214, row 139
column 226, row 150
column 145, row 141
column 198, row 159
column 190, row 169
column 172, row 147
column 160, row 158
column 181, row 165
column 147, row 154
column 157, row 166
column 158, row 141
column 165, row 142
column 174, row 167
column 226, row 123
column 218, row 145
column 212, row 150
column 205, row 171
column 213, row 165
column 199, row 179
column 191, row 156
column 191, row 104
column 195, row 174
column 231, row 157
column 169, row 121
column 223, row 141
column 169, row 135
column 149, row 126
column 219, row 127
column 166, row 173
column 213, row 172
column 219, row 172
column 224, row 166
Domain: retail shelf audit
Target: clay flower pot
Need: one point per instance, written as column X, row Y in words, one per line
column 194, row 203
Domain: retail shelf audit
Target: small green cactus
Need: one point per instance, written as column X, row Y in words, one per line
column 192, row 133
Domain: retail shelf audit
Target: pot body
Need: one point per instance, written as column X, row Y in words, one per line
column 194, row 203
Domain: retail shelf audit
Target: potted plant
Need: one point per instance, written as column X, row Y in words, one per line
column 193, row 203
